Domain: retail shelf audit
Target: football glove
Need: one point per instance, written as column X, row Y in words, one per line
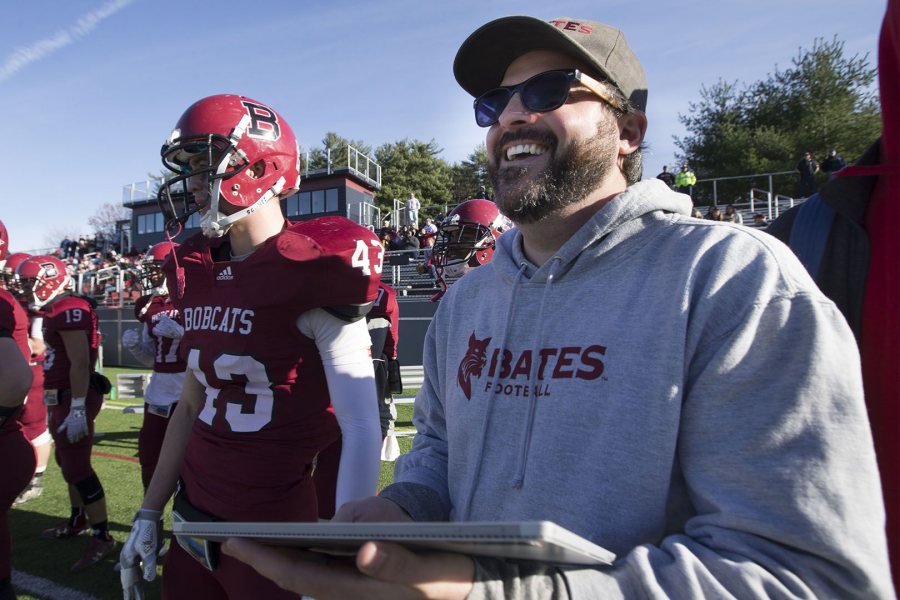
column 140, row 550
column 76, row 424
column 131, row 338
column 166, row 327
column 132, row 584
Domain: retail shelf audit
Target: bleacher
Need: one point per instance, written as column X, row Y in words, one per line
column 404, row 270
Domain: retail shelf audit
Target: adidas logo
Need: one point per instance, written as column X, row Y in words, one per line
column 225, row 275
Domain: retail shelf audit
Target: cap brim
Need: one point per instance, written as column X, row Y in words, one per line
column 485, row 55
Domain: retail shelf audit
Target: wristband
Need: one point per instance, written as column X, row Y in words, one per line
column 148, row 514
column 78, row 402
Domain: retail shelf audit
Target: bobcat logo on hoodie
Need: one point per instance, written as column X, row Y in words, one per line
column 472, row 364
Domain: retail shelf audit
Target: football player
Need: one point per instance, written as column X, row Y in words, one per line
column 34, row 414
column 384, row 330
column 15, row 379
column 276, row 345
column 155, row 345
column 73, row 393
column 466, row 240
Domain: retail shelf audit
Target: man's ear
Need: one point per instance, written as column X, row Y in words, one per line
column 632, row 127
column 257, row 169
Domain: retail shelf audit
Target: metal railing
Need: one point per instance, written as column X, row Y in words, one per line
column 710, row 191
column 370, row 170
column 364, row 213
column 139, row 191
column 774, row 205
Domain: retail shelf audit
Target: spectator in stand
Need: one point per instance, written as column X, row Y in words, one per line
column 695, row 212
column 410, row 239
column 667, row 177
column 430, row 228
column 428, row 264
column 714, row 214
column 685, row 180
column 808, row 167
column 732, row 215
column 396, row 242
column 833, row 163
column 412, row 210
column 386, row 237
column 760, row 220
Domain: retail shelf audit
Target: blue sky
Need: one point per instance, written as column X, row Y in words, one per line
column 89, row 89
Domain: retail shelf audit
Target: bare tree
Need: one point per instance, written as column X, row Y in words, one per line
column 55, row 236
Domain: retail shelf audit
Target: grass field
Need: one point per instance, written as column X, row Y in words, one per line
column 115, row 460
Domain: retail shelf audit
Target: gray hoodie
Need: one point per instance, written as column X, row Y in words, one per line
column 676, row 391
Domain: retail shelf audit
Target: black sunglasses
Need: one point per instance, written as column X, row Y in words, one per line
column 542, row 93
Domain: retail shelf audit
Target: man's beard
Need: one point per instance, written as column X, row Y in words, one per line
column 573, row 174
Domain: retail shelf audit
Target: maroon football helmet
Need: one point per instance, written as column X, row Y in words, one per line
column 150, row 270
column 41, row 279
column 8, row 272
column 468, row 235
column 244, row 151
column 4, row 243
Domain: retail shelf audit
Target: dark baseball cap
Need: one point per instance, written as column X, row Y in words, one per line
column 485, row 55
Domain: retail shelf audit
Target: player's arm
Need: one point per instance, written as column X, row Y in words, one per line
column 36, row 336
column 15, row 374
column 165, row 477
column 79, row 353
column 140, row 344
column 344, row 349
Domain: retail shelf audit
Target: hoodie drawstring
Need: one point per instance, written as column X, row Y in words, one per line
column 519, row 478
column 464, row 514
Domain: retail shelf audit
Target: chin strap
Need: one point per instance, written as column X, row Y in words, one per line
column 179, row 270
column 215, row 228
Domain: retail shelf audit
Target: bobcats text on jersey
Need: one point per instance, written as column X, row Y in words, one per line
column 227, row 319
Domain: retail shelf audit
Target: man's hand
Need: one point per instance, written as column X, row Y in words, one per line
column 131, row 338
column 166, row 327
column 373, row 509
column 381, row 570
column 140, row 548
column 75, row 425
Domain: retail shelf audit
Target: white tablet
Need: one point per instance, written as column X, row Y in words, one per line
column 535, row 540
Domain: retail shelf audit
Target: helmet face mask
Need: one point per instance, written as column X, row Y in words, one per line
column 8, row 272
column 235, row 153
column 4, row 244
column 467, row 238
column 152, row 277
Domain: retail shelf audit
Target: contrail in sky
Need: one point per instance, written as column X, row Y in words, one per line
column 22, row 57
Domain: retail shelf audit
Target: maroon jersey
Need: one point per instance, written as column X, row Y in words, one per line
column 148, row 310
column 386, row 307
column 34, row 415
column 68, row 313
column 267, row 409
column 13, row 324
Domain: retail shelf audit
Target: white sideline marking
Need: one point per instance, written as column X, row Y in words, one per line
column 46, row 588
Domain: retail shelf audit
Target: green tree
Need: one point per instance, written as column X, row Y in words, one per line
column 469, row 175
column 318, row 157
column 413, row 166
column 823, row 100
